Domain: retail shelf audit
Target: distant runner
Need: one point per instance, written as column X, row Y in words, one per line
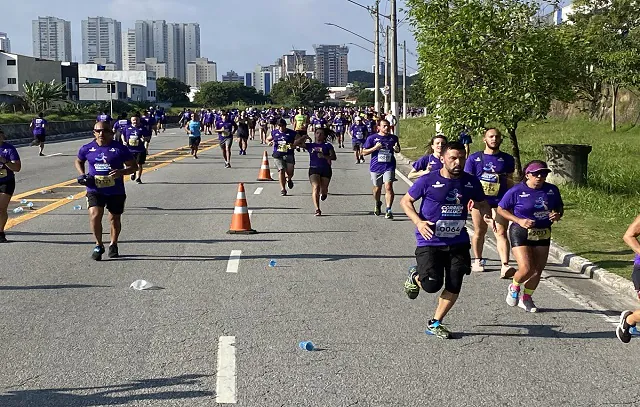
column 9, row 165
column 193, row 128
column 38, row 127
column 284, row 155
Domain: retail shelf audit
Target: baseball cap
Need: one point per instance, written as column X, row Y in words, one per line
column 538, row 168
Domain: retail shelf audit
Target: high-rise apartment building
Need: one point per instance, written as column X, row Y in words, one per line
column 51, row 38
column 298, row 62
column 102, row 38
column 5, row 44
column 153, row 65
column 232, row 76
column 200, row 71
column 332, row 67
column 129, row 50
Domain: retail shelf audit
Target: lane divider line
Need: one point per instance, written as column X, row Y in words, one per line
column 234, row 261
column 258, row 191
column 226, row 374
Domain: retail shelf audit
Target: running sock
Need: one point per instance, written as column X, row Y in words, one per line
column 515, row 283
column 433, row 322
column 528, row 291
column 388, row 209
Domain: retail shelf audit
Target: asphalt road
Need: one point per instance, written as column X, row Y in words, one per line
column 73, row 333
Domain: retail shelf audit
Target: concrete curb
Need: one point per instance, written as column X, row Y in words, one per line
column 576, row 263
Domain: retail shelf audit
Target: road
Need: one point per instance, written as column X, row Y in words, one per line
column 73, row 333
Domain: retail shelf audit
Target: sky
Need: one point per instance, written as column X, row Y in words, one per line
column 252, row 32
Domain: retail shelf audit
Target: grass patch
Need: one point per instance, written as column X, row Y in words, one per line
column 17, row 118
column 596, row 216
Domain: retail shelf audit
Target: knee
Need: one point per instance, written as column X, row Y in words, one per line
column 388, row 188
column 453, row 284
column 431, row 284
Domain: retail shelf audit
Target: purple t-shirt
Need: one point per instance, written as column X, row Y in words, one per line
column 227, row 127
column 430, row 160
column 534, row 204
column 121, row 125
column 9, row 153
column 339, row 124
column 319, row 154
column 103, row 118
column 319, row 122
column 103, row 159
column 359, row 133
column 492, row 171
column 134, row 138
column 382, row 160
column 38, row 126
column 283, row 142
column 444, row 202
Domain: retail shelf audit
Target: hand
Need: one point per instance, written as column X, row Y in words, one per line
column 82, row 179
column 526, row 223
column 492, row 222
column 555, row 216
column 424, row 229
column 116, row 173
column 378, row 145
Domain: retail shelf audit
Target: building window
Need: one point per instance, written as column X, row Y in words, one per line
column 12, row 81
column 11, row 61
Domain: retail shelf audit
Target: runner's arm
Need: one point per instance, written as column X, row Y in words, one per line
column 508, row 215
column 13, row 165
column 413, row 174
column 80, row 166
column 396, row 148
column 332, row 155
column 367, row 151
column 631, row 235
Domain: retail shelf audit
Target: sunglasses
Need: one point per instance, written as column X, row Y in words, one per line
column 100, row 130
column 539, row 174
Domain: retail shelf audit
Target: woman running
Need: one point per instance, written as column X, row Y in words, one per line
column 243, row 133
column 9, row 164
column 193, row 129
column 263, row 123
column 533, row 206
column 629, row 319
column 431, row 160
column 321, row 154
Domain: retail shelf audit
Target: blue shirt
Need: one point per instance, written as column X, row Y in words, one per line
column 194, row 129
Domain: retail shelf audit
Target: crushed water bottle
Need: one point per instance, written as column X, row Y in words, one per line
column 46, row 191
column 30, row 205
column 70, row 197
column 272, row 263
column 77, row 208
column 307, row 345
column 24, row 201
column 141, row 285
column 18, row 209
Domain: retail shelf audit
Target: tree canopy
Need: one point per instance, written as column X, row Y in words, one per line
column 299, row 90
column 226, row 93
column 172, row 90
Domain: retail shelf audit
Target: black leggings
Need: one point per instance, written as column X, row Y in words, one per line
column 635, row 276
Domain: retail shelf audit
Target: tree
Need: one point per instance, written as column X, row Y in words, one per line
column 416, row 92
column 218, row 94
column 299, row 90
column 40, row 95
column 172, row 90
column 485, row 61
column 365, row 98
column 607, row 31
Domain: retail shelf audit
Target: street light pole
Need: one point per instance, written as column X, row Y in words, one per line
column 404, row 80
column 386, row 74
column 376, row 58
column 394, row 59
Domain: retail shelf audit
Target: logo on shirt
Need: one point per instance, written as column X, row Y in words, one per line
column 500, row 159
column 548, row 193
column 101, row 158
column 437, row 185
column 478, row 159
column 113, row 150
column 469, row 185
column 524, row 195
column 489, row 167
column 454, row 196
column 541, row 204
column 92, row 149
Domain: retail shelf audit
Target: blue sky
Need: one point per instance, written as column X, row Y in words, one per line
column 237, row 37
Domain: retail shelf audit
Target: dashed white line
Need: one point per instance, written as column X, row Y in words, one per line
column 258, row 191
column 234, row 261
column 53, row 155
column 405, row 179
column 226, row 377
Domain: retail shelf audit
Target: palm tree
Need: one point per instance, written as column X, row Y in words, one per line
column 40, row 95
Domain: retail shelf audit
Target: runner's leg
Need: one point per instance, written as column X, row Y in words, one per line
column 116, row 227
column 95, row 223
column 4, row 215
column 315, row 190
column 477, row 241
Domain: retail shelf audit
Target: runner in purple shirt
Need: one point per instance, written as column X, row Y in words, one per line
column 108, row 161
column 9, row 165
column 226, row 129
column 38, row 126
column 136, row 137
column 340, row 127
column 359, row 134
column 282, row 140
column 382, row 167
column 629, row 319
column 104, row 117
column 442, row 254
column 321, row 155
column 430, row 162
column 532, row 206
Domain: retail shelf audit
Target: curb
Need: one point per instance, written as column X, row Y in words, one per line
column 576, row 263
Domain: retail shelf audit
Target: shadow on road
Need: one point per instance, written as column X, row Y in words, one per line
column 541, row 331
column 49, row 287
column 118, row 394
column 266, row 257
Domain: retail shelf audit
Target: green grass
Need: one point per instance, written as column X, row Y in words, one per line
column 15, row 118
column 596, row 216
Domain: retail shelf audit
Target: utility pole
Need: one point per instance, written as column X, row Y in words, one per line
column 376, row 49
column 394, row 60
column 404, row 80
column 386, row 74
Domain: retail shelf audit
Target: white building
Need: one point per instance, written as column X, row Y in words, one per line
column 175, row 55
column 152, row 65
column 191, row 42
column 106, row 65
column 298, row 62
column 102, row 38
column 5, row 43
column 141, row 85
column 51, row 38
column 129, row 50
column 200, row 71
column 332, row 66
column 261, row 79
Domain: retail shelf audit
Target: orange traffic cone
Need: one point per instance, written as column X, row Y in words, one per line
column 240, row 222
column 265, row 172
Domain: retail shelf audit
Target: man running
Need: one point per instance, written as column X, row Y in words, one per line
column 193, row 128
column 283, row 153
column 629, row 319
column 382, row 167
column 9, row 165
column 339, row 127
column 301, row 124
column 431, row 160
column 226, row 129
column 494, row 169
column 104, row 117
column 136, row 137
column 359, row 133
column 442, row 253
column 108, row 162
column 120, row 126
column 38, row 127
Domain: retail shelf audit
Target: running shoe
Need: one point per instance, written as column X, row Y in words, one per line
column 283, row 192
column 478, row 266
column 507, row 271
column 526, row 303
column 512, row 295
column 97, row 253
column 410, row 287
column 240, row 152
column 113, row 251
column 41, row 155
column 132, row 177
column 318, row 212
column 438, row 330
column 323, row 197
column 139, row 181
column 622, row 330
column 290, row 184
column 388, row 215
column 378, row 209
column 3, row 238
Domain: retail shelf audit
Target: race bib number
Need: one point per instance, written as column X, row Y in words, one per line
column 104, row 181
column 3, row 173
column 134, row 141
column 449, row 228
column 226, row 134
column 490, row 184
column 284, row 148
column 359, row 135
column 318, row 126
column 538, row 234
column 384, row 156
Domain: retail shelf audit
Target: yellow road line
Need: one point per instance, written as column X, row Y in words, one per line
column 63, row 201
column 38, row 200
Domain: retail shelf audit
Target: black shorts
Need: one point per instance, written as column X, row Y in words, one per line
column 140, row 158
column 194, row 141
column 438, row 265
column 519, row 236
column 8, row 186
column 243, row 136
column 40, row 137
column 357, row 145
column 322, row 172
column 113, row 203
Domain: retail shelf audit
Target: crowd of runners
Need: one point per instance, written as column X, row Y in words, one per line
column 449, row 183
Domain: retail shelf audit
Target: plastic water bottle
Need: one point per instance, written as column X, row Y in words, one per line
column 77, row 208
column 45, row 191
column 24, row 201
column 18, row 209
column 307, row 345
column 30, row 205
column 272, row 263
column 70, row 197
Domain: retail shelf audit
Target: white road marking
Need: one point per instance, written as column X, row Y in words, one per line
column 405, row 179
column 234, row 261
column 258, row 191
column 226, row 377
column 250, row 213
column 53, row 155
